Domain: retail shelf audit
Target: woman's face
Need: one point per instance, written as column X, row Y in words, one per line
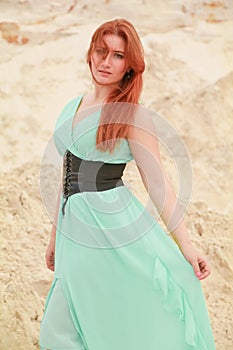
column 108, row 63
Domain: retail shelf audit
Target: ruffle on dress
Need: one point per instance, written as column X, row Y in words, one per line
column 175, row 301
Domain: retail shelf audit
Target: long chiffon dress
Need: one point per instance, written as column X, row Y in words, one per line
column 120, row 282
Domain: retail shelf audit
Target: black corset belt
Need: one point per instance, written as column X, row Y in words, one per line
column 81, row 175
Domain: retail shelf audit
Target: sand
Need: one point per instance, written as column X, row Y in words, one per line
column 188, row 80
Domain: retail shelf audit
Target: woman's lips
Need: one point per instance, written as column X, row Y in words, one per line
column 104, row 72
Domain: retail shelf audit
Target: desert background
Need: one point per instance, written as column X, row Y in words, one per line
column 188, row 79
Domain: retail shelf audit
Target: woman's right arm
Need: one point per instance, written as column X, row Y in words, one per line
column 50, row 251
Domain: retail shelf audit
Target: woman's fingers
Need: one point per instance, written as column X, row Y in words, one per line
column 201, row 267
column 50, row 255
column 204, row 268
column 196, row 268
column 197, row 260
column 50, row 261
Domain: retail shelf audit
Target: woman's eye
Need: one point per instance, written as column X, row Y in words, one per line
column 119, row 55
column 100, row 51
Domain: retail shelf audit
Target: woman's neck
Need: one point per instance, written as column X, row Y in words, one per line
column 101, row 93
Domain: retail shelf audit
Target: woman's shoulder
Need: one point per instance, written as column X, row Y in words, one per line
column 142, row 122
column 71, row 103
column 68, row 109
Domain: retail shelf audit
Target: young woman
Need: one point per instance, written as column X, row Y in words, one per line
column 120, row 282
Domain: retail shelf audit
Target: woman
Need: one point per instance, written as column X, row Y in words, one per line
column 120, row 282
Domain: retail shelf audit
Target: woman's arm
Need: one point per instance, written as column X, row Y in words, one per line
column 50, row 251
column 144, row 146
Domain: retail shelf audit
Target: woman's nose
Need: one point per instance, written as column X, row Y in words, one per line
column 107, row 59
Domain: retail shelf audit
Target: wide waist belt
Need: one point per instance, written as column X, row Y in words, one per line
column 81, row 175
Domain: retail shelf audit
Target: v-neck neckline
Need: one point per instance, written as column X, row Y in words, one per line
column 79, row 102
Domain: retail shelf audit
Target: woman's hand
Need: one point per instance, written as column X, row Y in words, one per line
column 50, row 254
column 198, row 261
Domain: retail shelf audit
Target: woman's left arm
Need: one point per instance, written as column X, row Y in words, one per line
column 144, row 146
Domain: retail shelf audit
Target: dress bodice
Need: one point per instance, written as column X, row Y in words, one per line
column 81, row 140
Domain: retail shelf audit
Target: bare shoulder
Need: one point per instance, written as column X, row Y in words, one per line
column 142, row 126
column 143, row 140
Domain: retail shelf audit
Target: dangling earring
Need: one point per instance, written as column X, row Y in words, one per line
column 128, row 76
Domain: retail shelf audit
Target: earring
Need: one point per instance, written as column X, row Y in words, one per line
column 129, row 74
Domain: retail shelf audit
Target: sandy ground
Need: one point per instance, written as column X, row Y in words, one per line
column 189, row 80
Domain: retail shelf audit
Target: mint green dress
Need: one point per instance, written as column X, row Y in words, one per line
column 120, row 282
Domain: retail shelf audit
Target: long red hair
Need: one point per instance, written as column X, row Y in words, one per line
column 119, row 106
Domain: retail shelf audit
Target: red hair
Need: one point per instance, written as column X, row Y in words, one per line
column 114, row 116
